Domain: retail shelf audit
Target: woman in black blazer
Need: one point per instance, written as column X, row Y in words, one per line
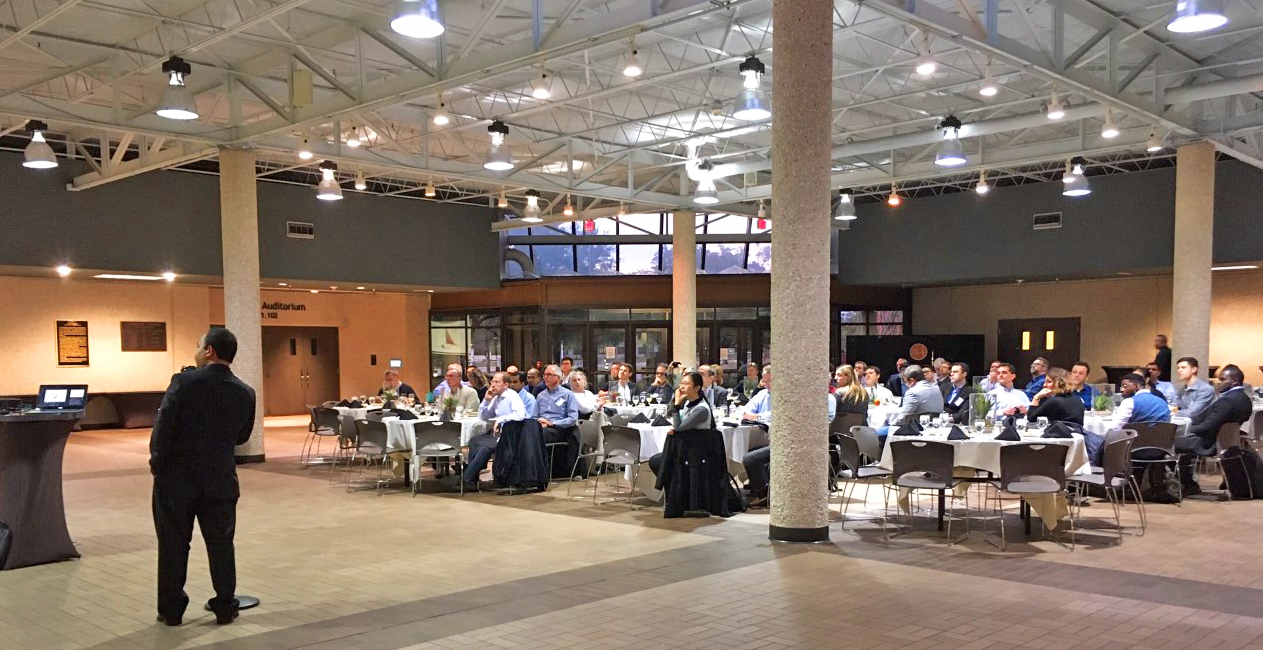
column 1056, row 401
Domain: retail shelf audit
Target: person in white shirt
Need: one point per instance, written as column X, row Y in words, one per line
column 878, row 394
column 466, row 397
column 992, row 380
column 567, row 368
column 579, row 386
column 443, row 386
column 1007, row 400
column 502, row 404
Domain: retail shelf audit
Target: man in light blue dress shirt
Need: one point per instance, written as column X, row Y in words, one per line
column 1194, row 394
column 558, row 413
column 518, row 384
column 501, row 404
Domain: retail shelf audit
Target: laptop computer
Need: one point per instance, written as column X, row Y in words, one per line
column 63, row 397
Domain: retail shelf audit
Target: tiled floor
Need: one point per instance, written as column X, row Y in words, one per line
column 355, row 570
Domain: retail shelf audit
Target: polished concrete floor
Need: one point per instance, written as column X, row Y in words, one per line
column 354, row 570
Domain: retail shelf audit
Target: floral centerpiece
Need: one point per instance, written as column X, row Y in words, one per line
column 449, row 408
column 980, row 405
column 389, row 397
column 1103, row 403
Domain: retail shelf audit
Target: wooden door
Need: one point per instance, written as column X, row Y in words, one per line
column 300, row 367
column 1019, row 341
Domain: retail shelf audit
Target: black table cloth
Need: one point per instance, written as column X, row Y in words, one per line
column 31, row 449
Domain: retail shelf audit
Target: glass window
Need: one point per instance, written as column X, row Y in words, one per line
column 568, row 314
column 667, row 260
column 553, row 229
column 640, row 224
column 736, row 313
column 851, row 330
column 698, row 220
column 447, row 345
column 889, row 316
column 725, row 258
column 851, row 316
column 638, row 259
column 569, row 343
column 888, row 329
column 651, row 350
column 727, row 225
column 447, row 320
column 554, row 260
column 651, row 314
column 598, row 259
column 760, row 259
column 706, row 314
column 484, row 319
column 484, row 348
column 513, row 271
column 608, row 314
column 611, row 345
column 521, row 316
column 703, row 346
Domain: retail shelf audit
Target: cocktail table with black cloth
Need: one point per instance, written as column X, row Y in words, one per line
column 520, row 456
column 694, row 474
column 32, row 446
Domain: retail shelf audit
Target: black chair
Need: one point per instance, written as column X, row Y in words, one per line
column 620, row 447
column 922, row 465
column 1154, row 445
column 855, row 471
column 1115, row 478
column 1228, row 437
column 347, row 436
column 371, row 441
column 324, row 424
column 436, row 440
column 1031, row 468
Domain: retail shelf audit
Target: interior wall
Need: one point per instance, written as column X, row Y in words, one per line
column 1118, row 316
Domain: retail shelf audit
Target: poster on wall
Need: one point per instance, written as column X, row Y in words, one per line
column 72, row 343
column 144, row 337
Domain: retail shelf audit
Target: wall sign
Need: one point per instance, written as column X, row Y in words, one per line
column 144, row 337
column 272, row 310
column 72, row 343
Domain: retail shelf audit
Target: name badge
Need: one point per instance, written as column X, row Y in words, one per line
column 958, row 401
column 561, row 401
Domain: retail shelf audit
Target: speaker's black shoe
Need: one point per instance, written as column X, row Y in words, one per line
column 170, row 622
column 225, row 620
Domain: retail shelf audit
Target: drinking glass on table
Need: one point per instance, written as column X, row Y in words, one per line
column 1020, row 425
column 1042, row 422
column 925, row 421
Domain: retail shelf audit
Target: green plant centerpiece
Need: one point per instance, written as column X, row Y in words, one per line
column 389, row 397
column 1103, row 403
column 449, row 408
column 980, row 405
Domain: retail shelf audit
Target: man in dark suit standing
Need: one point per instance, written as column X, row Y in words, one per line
column 205, row 413
column 1163, row 357
column 1233, row 405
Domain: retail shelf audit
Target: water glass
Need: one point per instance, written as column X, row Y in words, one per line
column 1042, row 422
column 925, row 421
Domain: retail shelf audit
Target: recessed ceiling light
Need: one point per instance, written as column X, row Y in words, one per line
column 283, row 284
column 360, row 288
column 315, row 291
column 333, row 286
column 124, row 276
column 430, row 290
column 64, row 270
column 1239, row 267
column 169, row 276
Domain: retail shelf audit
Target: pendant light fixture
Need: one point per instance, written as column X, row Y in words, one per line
column 503, row 201
column 177, row 100
column 706, row 194
column 64, row 271
column 925, row 61
column 631, row 67
column 982, row 187
column 304, row 152
column 1110, row 130
column 989, row 87
column 328, row 188
column 417, row 19
column 752, row 104
column 531, row 213
column 430, row 192
column 1155, row 143
column 569, row 209
column 499, row 157
column 361, row 183
column 1076, row 184
column 353, row 138
column 950, row 152
column 541, row 88
column 846, row 207
column 38, row 154
column 1056, row 108
column 1193, row 16
column 440, row 117
column 893, row 200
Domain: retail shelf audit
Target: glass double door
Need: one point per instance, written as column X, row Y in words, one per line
column 593, row 347
column 730, row 346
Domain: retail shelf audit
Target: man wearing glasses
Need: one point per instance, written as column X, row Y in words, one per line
column 661, row 386
column 558, row 412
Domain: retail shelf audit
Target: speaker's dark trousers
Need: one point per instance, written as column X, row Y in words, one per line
column 173, row 513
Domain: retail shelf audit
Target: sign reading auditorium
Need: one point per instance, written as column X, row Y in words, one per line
column 272, row 310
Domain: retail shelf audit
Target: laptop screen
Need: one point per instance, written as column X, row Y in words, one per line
column 70, row 397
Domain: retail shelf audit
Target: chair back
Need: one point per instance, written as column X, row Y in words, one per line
column 1153, row 435
column 438, row 437
column 930, row 457
column 866, row 438
column 376, row 415
column 324, row 419
column 1229, row 436
column 621, row 444
column 842, row 422
column 370, row 434
column 346, row 430
column 849, row 450
column 1116, row 459
column 1022, row 462
column 589, row 436
column 620, row 420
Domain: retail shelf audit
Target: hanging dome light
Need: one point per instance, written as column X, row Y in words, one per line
column 440, row 117
column 328, row 188
column 846, row 207
column 1197, row 16
column 541, row 88
column 304, row 152
column 752, row 104
column 361, row 183
column 430, row 192
column 1056, row 109
column 893, row 200
column 950, row 152
column 569, row 209
column 1155, row 143
column 706, row 194
column 631, row 67
column 982, row 187
column 925, row 61
column 353, row 138
column 502, row 202
column 989, row 87
column 531, row 213
column 499, row 157
column 38, row 154
column 417, row 19
column 1076, row 184
column 177, row 100
column 1110, row 130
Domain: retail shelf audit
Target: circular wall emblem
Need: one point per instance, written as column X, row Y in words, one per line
column 917, row 351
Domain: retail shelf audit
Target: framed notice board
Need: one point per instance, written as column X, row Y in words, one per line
column 72, row 343
column 144, row 337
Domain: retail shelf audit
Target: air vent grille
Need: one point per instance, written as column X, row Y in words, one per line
column 300, row 230
column 1046, row 221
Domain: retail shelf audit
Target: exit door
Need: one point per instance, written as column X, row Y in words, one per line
column 300, row 368
column 1019, row 341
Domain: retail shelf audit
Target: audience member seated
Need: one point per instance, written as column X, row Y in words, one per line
column 877, row 393
column 895, row 381
column 567, row 369
column 623, row 387
column 956, row 400
column 587, row 402
column 1194, row 394
column 1038, row 369
column 528, row 399
column 712, row 390
column 441, row 389
column 1077, row 380
column 849, row 394
column 758, row 461
column 759, row 408
column 1234, row 405
column 466, row 396
column 501, row 404
column 1139, row 405
column 992, row 380
column 943, row 375
column 1153, row 376
column 861, row 372
column 558, row 415
column 1007, row 401
column 478, row 381
column 749, row 385
column 392, row 383
column 692, row 469
column 533, row 382
column 920, row 397
column 1056, row 401
column 660, row 389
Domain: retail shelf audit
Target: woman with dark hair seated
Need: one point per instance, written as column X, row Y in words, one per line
column 692, row 469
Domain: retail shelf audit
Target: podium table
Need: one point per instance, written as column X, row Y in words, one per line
column 31, row 449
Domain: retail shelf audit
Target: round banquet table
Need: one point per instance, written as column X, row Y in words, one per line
column 877, row 415
column 401, row 435
column 982, row 451
column 1100, row 424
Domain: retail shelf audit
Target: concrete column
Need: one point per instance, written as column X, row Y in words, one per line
column 1194, row 250
column 684, row 287
column 239, row 220
column 801, row 100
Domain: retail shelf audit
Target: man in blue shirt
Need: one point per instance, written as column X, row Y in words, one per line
column 1139, row 405
column 528, row 399
column 1078, row 380
column 501, row 404
column 1194, row 395
column 558, row 413
column 1039, row 368
column 1165, row 387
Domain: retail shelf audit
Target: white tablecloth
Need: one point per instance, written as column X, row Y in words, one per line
column 738, row 440
column 983, row 452
column 877, row 415
column 358, row 414
column 400, row 435
column 1254, row 425
column 1100, row 424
